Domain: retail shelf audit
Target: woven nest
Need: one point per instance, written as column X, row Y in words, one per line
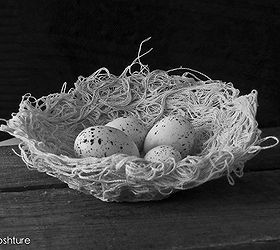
column 225, row 126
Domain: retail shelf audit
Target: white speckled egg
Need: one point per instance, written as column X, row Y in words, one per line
column 131, row 126
column 174, row 130
column 102, row 141
column 162, row 153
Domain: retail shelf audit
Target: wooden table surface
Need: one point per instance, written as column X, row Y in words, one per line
column 214, row 215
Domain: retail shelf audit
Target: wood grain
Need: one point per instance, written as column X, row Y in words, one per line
column 212, row 215
column 15, row 174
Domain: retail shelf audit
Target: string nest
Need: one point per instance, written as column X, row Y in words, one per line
column 227, row 133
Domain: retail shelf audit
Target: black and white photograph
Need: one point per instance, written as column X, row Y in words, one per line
column 139, row 124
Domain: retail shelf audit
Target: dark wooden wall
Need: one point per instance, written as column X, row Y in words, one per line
column 45, row 43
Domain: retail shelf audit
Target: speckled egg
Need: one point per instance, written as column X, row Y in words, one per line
column 102, row 141
column 162, row 153
column 131, row 126
column 174, row 130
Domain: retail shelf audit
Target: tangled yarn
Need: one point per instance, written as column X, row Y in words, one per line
column 227, row 133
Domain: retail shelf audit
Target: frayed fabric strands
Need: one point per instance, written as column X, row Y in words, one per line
column 226, row 129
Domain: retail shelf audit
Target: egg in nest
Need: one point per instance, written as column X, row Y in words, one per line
column 174, row 130
column 162, row 153
column 131, row 126
column 103, row 141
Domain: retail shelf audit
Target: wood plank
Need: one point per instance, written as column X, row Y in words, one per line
column 14, row 173
column 10, row 142
column 214, row 214
column 262, row 244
